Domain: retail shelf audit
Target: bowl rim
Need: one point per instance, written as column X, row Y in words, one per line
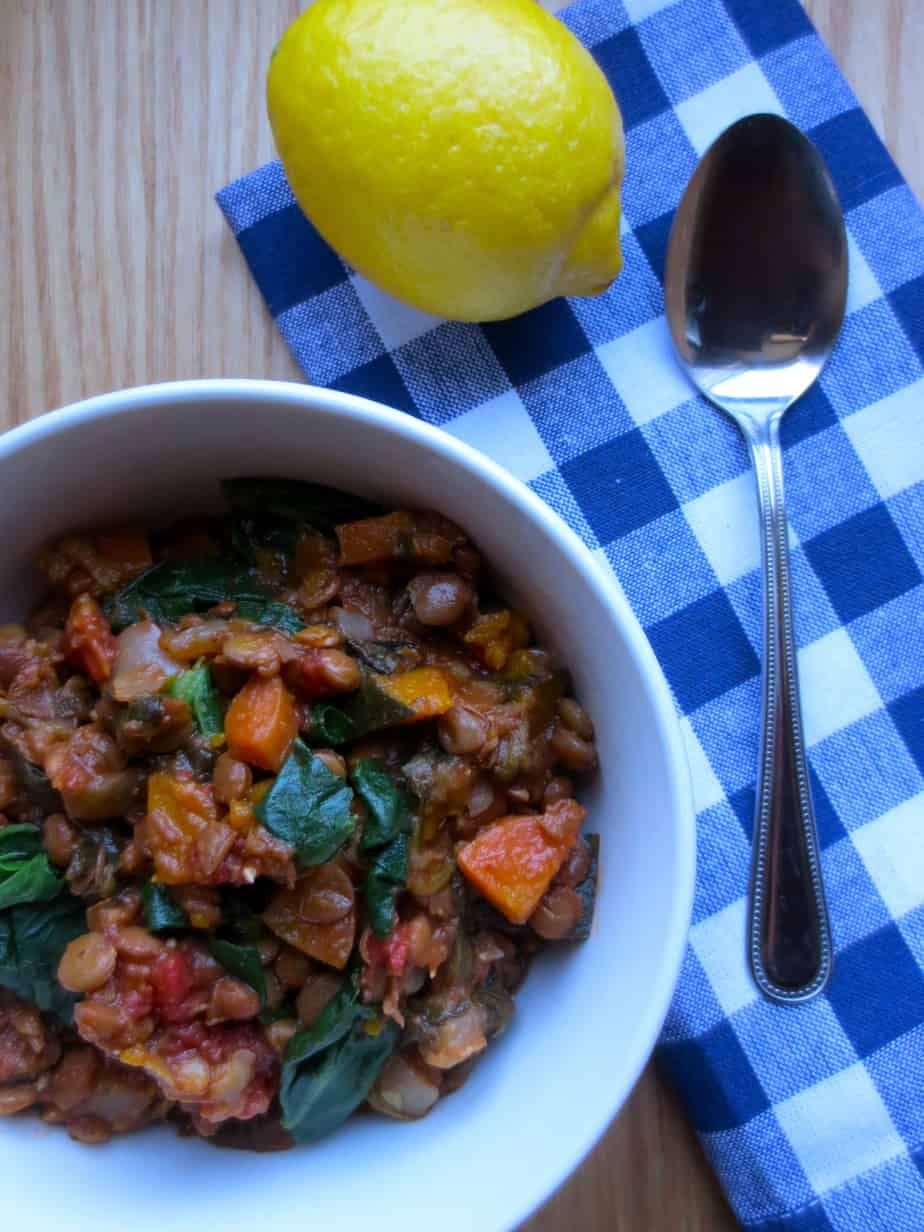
column 208, row 394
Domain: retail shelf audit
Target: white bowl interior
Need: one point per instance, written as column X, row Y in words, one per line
column 586, row 1019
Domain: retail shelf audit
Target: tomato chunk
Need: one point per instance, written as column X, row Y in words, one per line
column 88, row 639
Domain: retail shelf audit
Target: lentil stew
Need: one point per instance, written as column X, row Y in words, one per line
column 286, row 809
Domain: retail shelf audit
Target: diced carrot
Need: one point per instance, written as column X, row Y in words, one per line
column 496, row 635
column 512, row 862
column 261, row 723
column 373, row 539
column 181, row 830
column 426, row 538
column 426, row 691
column 125, row 546
column 88, row 640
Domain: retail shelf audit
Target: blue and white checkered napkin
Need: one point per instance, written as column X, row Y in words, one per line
column 813, row 1116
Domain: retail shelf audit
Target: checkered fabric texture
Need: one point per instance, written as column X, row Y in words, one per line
column 812, row 1116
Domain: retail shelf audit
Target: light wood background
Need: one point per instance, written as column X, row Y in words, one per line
column 118, row 120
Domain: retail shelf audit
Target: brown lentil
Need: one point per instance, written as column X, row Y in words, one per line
column 292, row 967
column 59, row 838
column 231, row 779
column 572, row 751
column 315, row 994
column 232, row 1000
column 17, row 1098
column 87, row 963
column 341, row 672
column 558, row 912
column 333, row 761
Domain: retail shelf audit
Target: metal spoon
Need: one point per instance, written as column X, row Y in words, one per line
column 755, row 289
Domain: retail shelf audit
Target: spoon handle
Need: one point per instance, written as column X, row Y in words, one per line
column 790, row 939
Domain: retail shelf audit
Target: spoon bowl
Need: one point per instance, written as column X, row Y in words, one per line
column 755, row 289
column 757, row 268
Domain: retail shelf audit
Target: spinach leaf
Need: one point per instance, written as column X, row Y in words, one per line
column 161, row 913
column 389, row 815
column 26, row 876
column 33, row 882
column 331, row 1024
column 32, row 939
column 329, row 725
column 319, row 1096
column 387, row 875
column 172, row 588
column 321, row 507
column 268, row 611
column 195, row 688
column 370, row 708
column 308, row 807
column 17, row 844
column 242, row 961
column 385, row 833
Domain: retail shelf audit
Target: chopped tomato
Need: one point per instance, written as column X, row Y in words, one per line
column 88, row 639
column 390, row 952
column 172, row 977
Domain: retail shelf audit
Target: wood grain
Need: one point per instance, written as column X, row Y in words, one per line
column 120, row 119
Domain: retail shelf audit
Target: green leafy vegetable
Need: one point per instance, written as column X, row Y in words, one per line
column 370, row 708
column 17, row 844
column 32, row 939
column 319, row 1095
column 322, row 508
column 331, row 1024
column 389, row 815
column 173, row 588
column 161, row 913
column 308, row 807
column 243, row 961
column 195, row 688
column 26, row 876
column 329, row 725
column 385, row 834
column 387, row 875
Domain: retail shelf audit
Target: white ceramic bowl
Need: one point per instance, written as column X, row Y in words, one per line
column 586, row 1019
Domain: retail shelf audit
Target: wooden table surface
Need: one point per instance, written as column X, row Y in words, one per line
column 120, row 119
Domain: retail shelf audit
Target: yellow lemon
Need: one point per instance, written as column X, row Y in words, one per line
column 465, row 155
